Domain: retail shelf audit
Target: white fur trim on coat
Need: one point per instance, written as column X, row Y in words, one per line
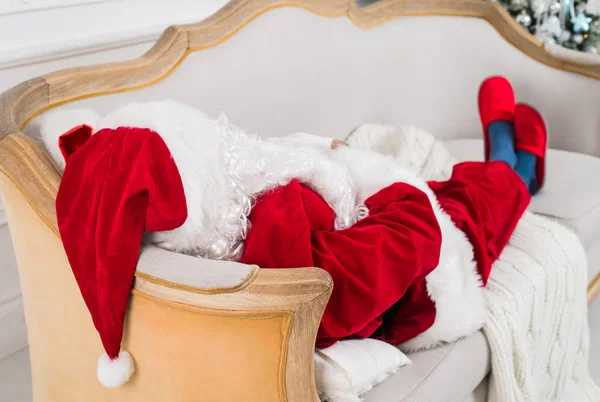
column 454, row 285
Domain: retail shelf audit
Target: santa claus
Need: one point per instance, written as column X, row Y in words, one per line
column 408, row 257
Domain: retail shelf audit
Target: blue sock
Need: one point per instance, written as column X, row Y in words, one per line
column 502, row 142
column 526, row 162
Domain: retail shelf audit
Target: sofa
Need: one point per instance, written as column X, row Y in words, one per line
column 220, row 331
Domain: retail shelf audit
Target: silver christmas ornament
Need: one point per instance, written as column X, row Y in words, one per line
column 595, row 27
column 578, row 38
column 539, row 6
column 544, row 37
column 554, row 8
column 564, row 36
column 593, row 7
column 524, row 19
column 518, row 5
column 566, row 9
column 550, row 26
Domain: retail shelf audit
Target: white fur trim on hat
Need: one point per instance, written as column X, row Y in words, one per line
column 114, row 373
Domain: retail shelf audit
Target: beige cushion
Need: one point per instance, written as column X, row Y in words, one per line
column 450, row 373
column 570, row 194
column 192, row 272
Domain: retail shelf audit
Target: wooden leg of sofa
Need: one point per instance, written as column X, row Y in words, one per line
column 593, row 290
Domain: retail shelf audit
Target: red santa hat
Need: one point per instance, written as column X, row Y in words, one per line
column 117, row 184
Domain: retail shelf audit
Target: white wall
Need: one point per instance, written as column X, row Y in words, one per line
column 41, row 36
column 33, row 30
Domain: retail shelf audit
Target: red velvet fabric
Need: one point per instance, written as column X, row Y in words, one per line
column 485, row 201
column 73, row 139
column 116, row 185
column 379, row 265
column 373, row 263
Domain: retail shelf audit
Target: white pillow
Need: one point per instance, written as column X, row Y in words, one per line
column 350, row 368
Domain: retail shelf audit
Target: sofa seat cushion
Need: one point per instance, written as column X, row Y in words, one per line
column 448, row 373
column 194, row 274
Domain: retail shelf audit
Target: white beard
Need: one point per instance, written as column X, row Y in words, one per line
column 222, row 168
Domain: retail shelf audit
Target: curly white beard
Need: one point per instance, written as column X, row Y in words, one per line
column 254, row 165
column 223, row 169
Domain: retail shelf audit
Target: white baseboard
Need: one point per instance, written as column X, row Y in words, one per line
column 13, row 336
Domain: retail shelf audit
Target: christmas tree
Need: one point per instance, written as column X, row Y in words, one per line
column 574, row 24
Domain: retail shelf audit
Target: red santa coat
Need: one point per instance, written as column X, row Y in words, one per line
column 379, row 265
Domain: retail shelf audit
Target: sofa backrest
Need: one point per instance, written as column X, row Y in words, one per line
column 290, row 69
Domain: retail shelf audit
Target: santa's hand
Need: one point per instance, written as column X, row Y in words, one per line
column 338, row 143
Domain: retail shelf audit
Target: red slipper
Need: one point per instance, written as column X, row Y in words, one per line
column 531, row 136
column 496, row 102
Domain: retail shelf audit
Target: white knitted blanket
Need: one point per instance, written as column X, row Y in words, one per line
column 536, row 295
column 537, row 326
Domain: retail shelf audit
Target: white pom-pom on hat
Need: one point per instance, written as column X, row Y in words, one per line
column 114, row 373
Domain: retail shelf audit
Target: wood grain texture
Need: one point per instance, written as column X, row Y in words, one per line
column 300, row 374
column 236, row 14
column 82, row 82
column 28, row 165
column 20, row 102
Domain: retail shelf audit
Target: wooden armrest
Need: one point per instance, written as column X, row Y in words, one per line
column 292, row 300
column 191, row 273
column 259, row 334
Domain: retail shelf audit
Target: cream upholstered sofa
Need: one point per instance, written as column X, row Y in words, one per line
column 214, row 331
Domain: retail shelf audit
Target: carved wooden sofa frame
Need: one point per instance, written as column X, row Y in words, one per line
column 262, row 331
